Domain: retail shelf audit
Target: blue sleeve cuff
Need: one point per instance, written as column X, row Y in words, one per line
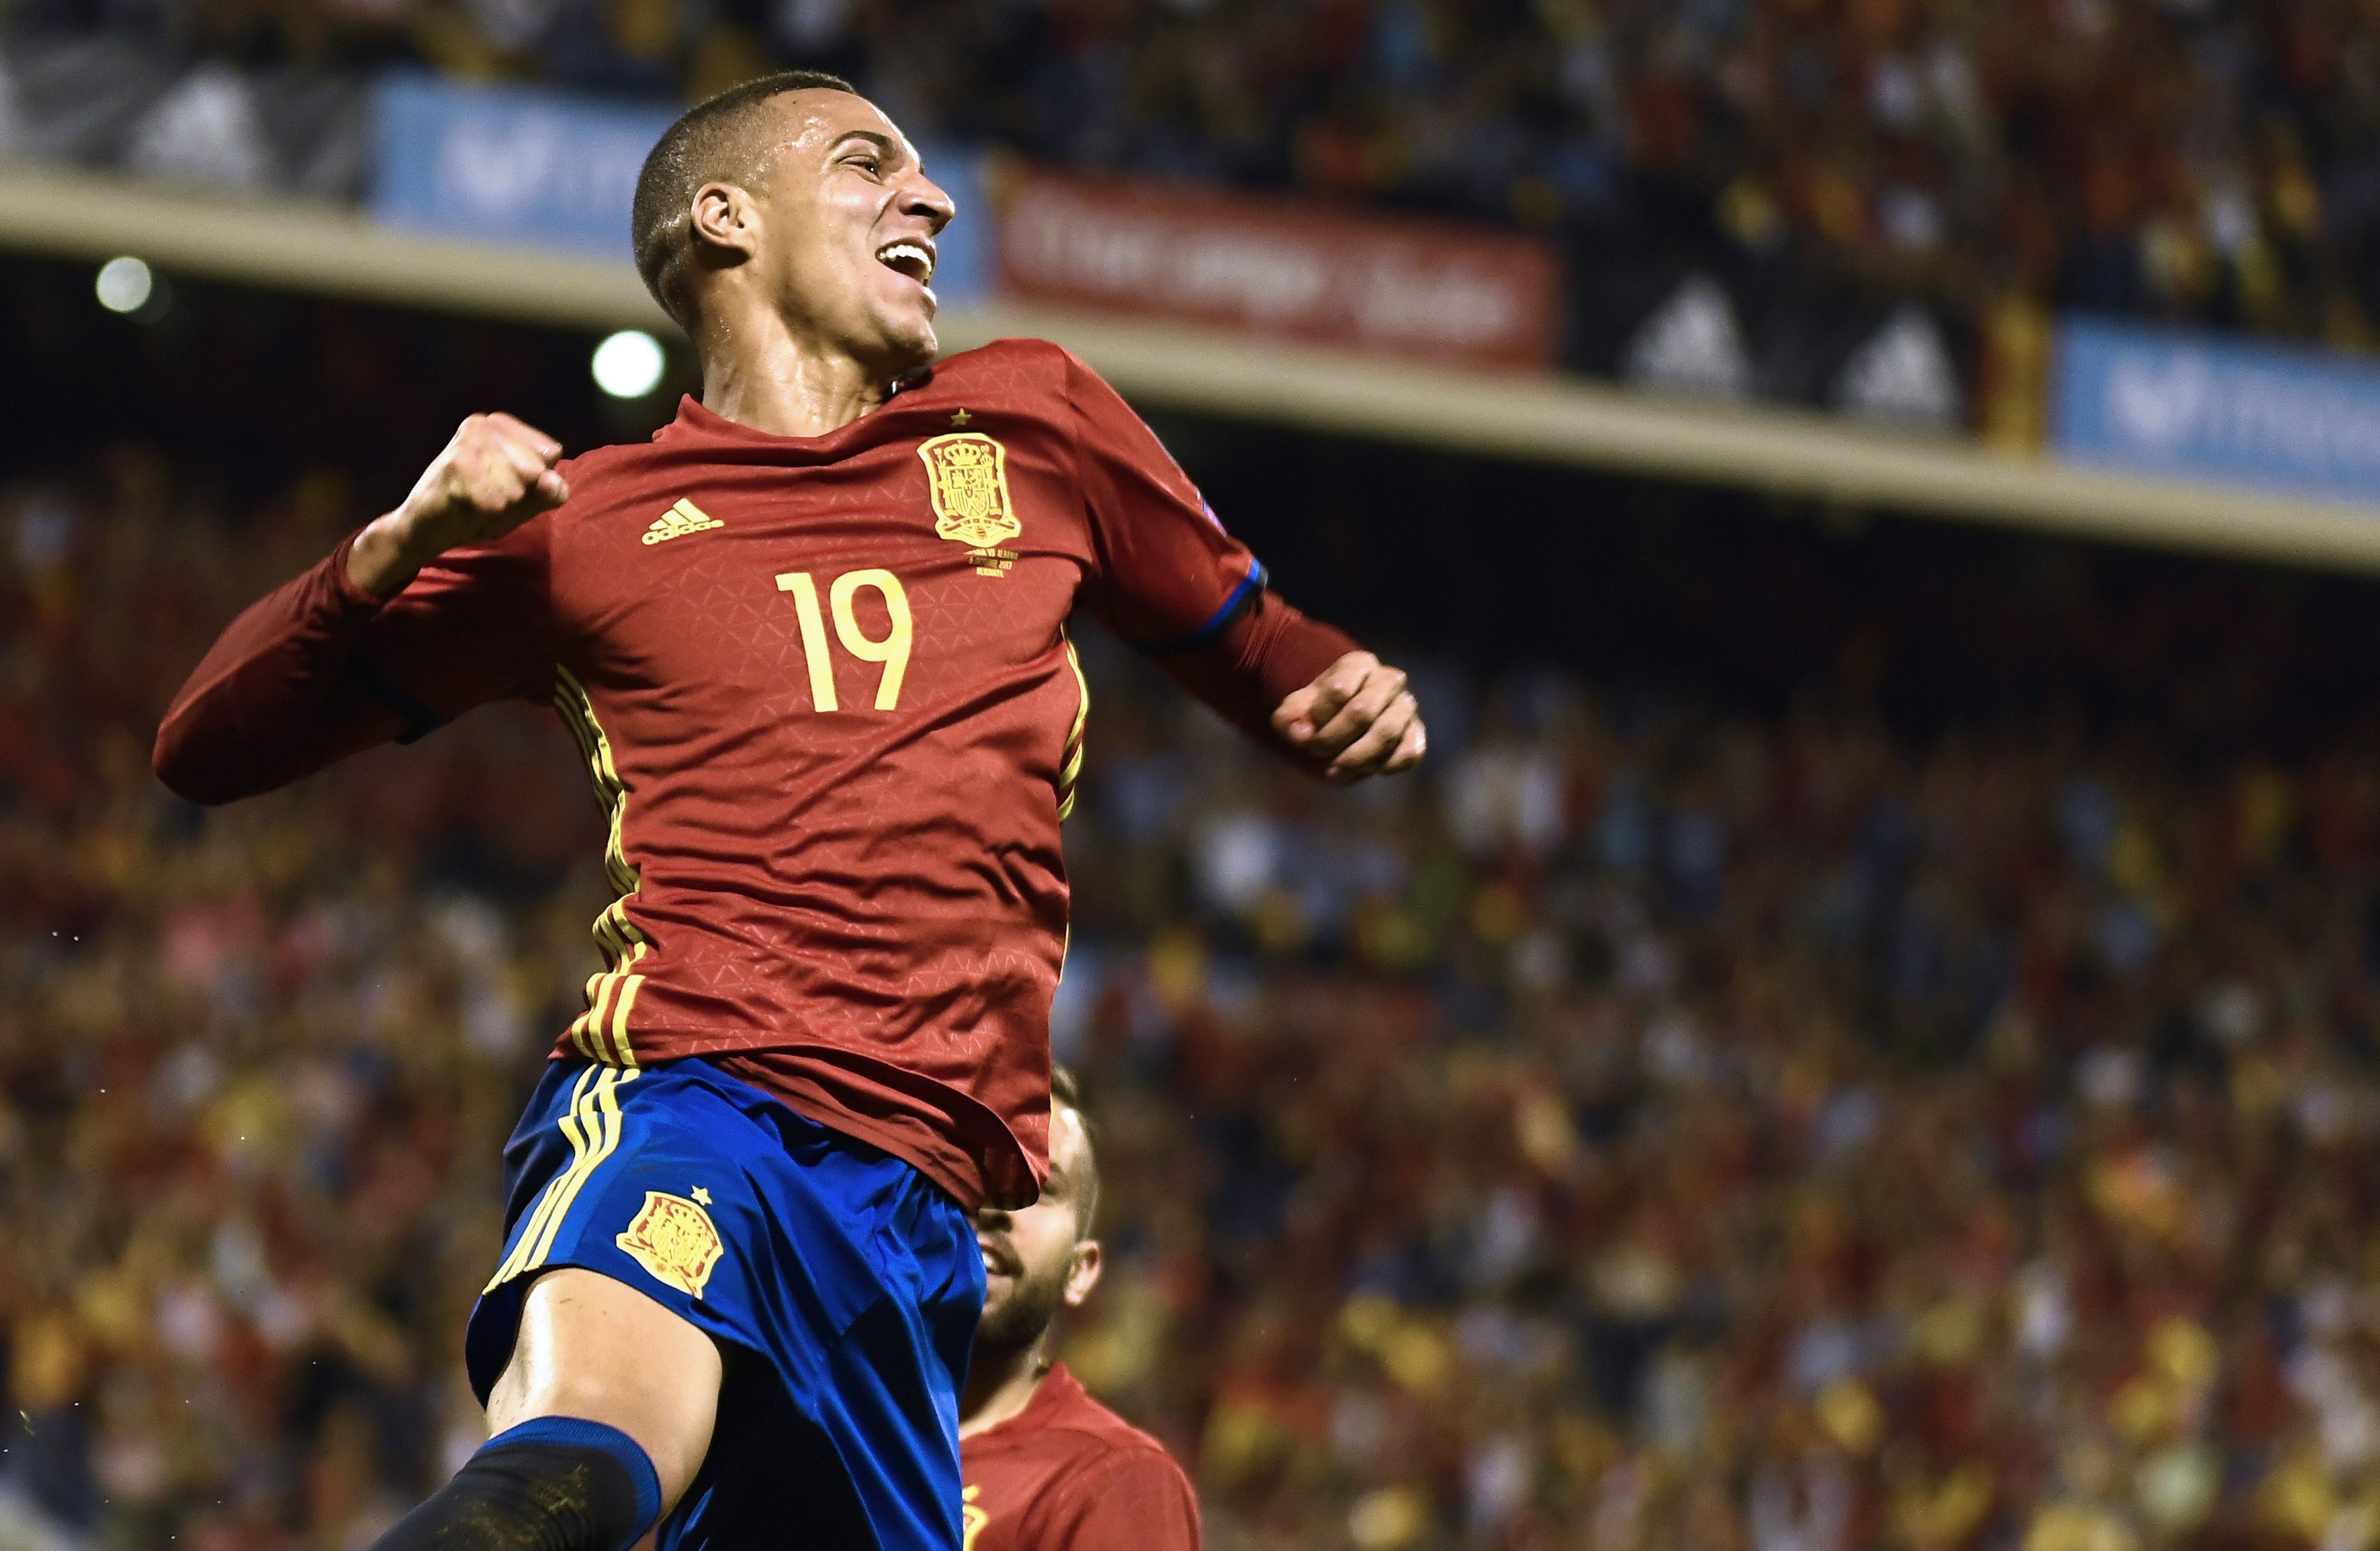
column 1241, row 594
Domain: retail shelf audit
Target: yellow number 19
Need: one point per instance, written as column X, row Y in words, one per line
column 892, row 651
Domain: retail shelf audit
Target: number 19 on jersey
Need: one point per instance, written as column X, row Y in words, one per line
column 892, row 651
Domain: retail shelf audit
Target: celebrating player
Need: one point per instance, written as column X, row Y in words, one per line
column 810, row 640
column 1048, row 1468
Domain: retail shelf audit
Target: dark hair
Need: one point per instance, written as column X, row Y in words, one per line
column 1064, row 1090
column 711, row 141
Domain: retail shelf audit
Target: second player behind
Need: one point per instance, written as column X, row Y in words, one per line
column 1048, row 1468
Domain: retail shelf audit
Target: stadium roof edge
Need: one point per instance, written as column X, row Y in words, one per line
column 308, row 246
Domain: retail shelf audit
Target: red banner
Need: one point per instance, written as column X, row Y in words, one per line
column 1279, row 268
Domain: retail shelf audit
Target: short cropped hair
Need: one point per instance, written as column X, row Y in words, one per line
column 713, row 142
column 1064, row 1090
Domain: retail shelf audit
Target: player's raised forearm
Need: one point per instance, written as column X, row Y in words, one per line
column 495, row 475
column 1265, row 651
column 258, row 710
column 380, row 562
column 281, row 694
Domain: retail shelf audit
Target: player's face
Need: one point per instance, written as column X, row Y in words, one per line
column 1036, row 1261
column 850, row 222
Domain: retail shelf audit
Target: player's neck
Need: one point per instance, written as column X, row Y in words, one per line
column 997, row 1390
column 776, row 381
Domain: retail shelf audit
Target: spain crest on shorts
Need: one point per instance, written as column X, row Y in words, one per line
column 673, row 1239
column 967, row 474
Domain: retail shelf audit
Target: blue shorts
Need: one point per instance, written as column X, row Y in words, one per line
column 841, row 1286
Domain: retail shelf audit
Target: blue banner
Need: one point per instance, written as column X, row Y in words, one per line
column 509, row 164
column 2196, row 406
column 527, row 167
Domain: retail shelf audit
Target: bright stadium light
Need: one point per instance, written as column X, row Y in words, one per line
column 125, row 285
column 628, row 364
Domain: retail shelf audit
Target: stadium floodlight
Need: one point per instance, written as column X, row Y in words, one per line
column 628, row 364
column 125, row 285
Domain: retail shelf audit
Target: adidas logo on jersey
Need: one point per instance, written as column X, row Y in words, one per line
column 680, row 520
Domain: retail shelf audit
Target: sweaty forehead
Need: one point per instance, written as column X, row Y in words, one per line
column 815, row 119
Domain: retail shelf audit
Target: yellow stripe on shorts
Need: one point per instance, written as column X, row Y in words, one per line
column 592, row 1126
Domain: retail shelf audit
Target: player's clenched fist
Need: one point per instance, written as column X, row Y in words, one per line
column 1358, row 716
column 495, row 475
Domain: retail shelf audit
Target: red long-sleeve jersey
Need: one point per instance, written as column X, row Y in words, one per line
column 825, row 692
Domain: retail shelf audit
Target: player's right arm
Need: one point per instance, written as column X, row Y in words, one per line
column 1170, row 580
column 429, row 610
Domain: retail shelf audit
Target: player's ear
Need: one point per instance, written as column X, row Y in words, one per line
column 723, row 224
column 1082, row 1272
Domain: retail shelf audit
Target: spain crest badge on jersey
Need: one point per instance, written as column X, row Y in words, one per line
column 675, row 1239
column 967, row 474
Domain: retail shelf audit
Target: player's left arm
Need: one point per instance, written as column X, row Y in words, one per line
column 1190, row 595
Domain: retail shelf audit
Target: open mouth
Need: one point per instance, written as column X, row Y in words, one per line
column 999, row 1260
column 915, row 259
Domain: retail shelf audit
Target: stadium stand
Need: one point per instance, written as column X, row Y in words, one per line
column 2097, row 238
column 1821, row 161
column 2224, row 152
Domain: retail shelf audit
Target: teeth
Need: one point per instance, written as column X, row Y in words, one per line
column 893, row 253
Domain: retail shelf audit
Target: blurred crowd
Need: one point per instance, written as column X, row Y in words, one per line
column 256, row 1066
column 2216, row 160
column 1655, row 1126
column 1658, row 1129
